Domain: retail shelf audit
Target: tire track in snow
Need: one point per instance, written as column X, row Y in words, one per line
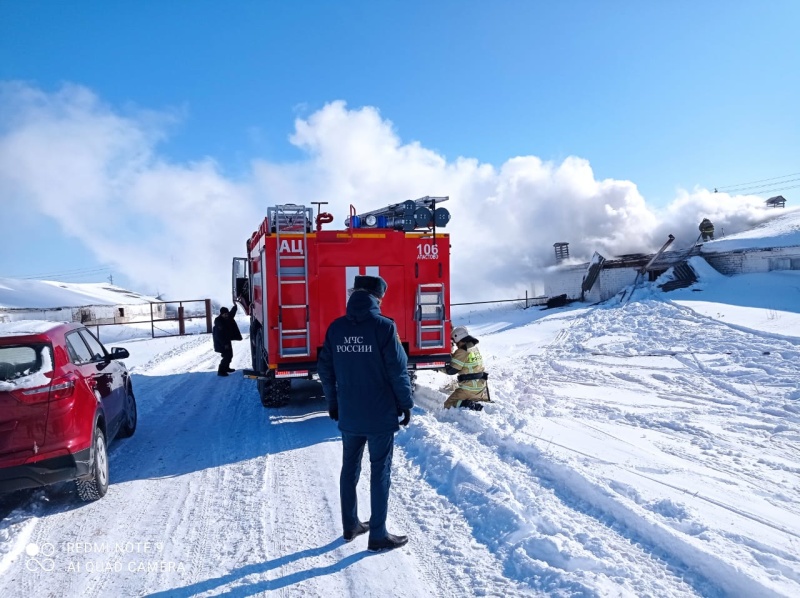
column 221, row 524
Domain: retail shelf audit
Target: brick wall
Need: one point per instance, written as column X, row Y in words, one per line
column 565, row 281
column 568, row 282
column 611, row 282
column 755, row 260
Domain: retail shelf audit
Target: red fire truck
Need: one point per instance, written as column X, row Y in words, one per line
column 296, row 280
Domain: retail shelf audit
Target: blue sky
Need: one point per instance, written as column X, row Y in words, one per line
column 669, row 96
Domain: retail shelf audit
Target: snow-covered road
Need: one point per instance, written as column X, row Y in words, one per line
column 636, row 450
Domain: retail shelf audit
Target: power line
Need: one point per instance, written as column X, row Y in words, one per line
column 98, row 275
column 65, row 273
column 80, row 278
column 783, row 189
column 778, row 184
column 767, row 188
column 763, row 191
column 751, row 183
column 81, row 270
column 87, row 277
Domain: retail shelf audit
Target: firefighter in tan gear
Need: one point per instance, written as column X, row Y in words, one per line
column 467, row 363
column 706, row 230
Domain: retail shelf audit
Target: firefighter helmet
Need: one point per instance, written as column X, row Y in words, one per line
column 460, row 333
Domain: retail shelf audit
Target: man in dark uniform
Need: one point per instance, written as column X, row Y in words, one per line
column 363, row 370
column 225, row 331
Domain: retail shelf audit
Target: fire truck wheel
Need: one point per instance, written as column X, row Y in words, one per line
column 277, row 393
column 259, row 366
column 256, row 342
column 264, row 391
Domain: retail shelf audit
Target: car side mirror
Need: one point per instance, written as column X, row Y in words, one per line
column 119, row 353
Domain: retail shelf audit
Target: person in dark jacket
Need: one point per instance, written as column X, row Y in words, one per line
column 363, row 370
column 225, row 331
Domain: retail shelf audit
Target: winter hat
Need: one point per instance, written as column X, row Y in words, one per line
column 223, row 311
column 374, row 285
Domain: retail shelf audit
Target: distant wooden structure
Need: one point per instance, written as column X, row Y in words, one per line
column 562, row 251
column 779, row 201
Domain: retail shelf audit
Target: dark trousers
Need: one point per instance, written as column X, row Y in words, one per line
column 225, row 364
column 381, row 447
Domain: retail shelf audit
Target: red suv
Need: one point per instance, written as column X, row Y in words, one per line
column 63, row 398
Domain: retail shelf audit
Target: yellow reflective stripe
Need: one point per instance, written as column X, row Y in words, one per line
column 460, row 364
column 360, row 236
column 476, row 387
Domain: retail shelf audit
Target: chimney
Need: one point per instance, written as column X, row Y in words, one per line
column 562, row 251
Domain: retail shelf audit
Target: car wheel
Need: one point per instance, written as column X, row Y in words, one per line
column 131, row 415
column 96, row 486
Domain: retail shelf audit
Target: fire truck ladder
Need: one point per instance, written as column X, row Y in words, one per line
column 292, row 270
column 430, row 315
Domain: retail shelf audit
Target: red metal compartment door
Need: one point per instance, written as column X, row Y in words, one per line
column 398, row 303
column 335, row 281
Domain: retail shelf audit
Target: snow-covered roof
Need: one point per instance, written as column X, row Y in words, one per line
column 781, row 231
column 19, row 293
column 23, row 327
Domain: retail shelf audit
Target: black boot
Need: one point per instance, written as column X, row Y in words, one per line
column 473, row 405
column 361, row 528
column 390, row 542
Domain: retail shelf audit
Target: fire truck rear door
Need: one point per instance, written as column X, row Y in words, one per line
column 336, row 281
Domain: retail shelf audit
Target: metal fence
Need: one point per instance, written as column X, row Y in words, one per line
column 159, row 318
column 170, row 318
column 165, row 318
column 529, row 301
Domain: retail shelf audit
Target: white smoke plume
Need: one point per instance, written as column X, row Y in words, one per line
column 98, row 170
